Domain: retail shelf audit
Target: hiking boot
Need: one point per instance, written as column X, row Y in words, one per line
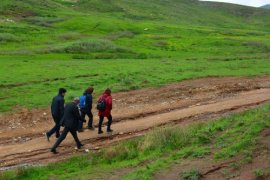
column 109, row 130
column 54, row 151
column 91, row 128
column 80, row 146
column 80, row 130
column 47, row 137
column 100, row 132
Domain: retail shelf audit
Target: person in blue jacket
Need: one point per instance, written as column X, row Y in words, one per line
column 86, row 102
column 57, row 110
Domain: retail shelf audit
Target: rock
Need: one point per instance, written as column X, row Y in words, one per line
column 121, row 133
column 44, row 114
column 87, row 150
column 97, row 148
column 28, row 139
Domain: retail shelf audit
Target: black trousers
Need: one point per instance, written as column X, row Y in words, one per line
column 90, row 116
column 101, row 118
column 55, row 129
column 64, row 135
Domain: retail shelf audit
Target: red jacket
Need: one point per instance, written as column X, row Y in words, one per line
column 108, row 102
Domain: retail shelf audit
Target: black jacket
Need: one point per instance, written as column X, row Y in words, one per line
column 71, row 116
column 57, row 106
column 88, row 102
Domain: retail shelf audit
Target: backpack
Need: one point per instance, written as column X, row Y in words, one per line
column 82, row 101
column 101, row 104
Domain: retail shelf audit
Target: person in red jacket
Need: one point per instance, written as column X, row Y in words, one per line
column 106, row 112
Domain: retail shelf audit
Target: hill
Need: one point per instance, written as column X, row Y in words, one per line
column 133, row 35
column 267, row 6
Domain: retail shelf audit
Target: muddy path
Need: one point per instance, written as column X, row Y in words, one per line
column 22, row 133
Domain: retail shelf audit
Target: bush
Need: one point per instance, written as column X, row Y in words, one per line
column 7, row 37
column 94, row 45
column 191, row 175
column 167, row 138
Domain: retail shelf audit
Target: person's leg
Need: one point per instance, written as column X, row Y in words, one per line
column 101, row 118
column 75, row 137
column 55, row 129
column 109, row 124
column 60, row 139
column 90, row 122
column 80, row 128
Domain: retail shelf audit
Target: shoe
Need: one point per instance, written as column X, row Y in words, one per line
column 91, row 128
column 109, row 130
column 100, row 132
column 80, row 146
column 47, row 137
column 80, row 130
column 54, row 151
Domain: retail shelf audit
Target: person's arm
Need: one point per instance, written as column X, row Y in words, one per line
column 77, row 113
column 109, row 102
column 90, row 101
column 87, row 102
column 61, row 107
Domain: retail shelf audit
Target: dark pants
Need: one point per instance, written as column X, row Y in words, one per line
column 55, row 129
column 63, row 136
column 90, row 116
column 101, row 118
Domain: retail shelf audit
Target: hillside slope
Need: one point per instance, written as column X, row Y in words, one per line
column 153, row 41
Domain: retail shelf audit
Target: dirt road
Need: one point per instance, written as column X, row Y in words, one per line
column 22, row 140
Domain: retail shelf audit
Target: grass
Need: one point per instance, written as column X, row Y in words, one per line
column 123, row 45
column 149, row 154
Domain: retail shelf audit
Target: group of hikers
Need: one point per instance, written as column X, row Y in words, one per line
column 72, row 115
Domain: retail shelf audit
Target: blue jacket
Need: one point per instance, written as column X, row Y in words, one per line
column 57, row 107
column 88, row 102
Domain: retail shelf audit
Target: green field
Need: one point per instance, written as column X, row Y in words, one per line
column 124, row 45
column 226, row 138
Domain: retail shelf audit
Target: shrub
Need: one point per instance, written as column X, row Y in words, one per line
column 191, row 175
column 94, row 45
column 121, row 34
column 7, row 37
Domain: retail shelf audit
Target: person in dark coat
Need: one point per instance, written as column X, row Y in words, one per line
column 86, row 109
column 57, row 110
column 70, row 121
column 107, row 112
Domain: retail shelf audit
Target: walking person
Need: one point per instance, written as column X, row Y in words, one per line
column 57, row 110
column 70, row 121
column 86, row 102
column 105, row 107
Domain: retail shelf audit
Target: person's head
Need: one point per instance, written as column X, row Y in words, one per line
column 108, row 91
column 62, row 91
column 89, row 90
column 76, row 100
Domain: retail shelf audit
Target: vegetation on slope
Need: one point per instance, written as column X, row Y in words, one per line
column 123, row 44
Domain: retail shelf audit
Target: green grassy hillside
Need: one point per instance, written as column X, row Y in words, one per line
column 123, row 44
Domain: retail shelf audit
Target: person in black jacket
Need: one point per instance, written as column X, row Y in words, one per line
column 86, row 109
column 70, row 121
column 57, row 110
